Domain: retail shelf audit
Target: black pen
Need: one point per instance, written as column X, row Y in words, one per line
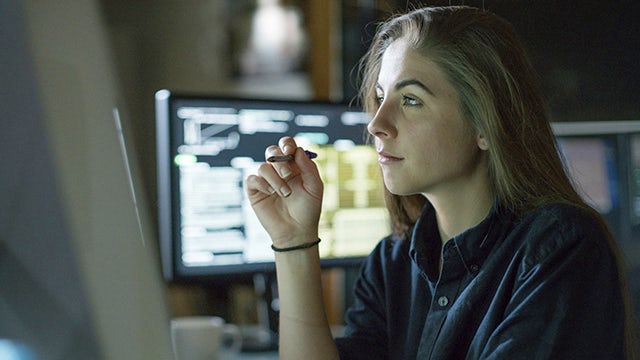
column 285, row 158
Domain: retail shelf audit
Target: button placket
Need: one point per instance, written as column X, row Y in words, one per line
column 442, row 297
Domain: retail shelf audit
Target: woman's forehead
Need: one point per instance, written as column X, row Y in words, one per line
column 400, row 62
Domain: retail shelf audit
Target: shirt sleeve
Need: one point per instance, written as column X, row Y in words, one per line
column 565, row 293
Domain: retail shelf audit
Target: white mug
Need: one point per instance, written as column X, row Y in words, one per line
column 203, row 337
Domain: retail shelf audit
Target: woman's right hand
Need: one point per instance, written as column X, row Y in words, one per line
column 287, row 196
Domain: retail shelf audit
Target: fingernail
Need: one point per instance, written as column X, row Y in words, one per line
column 285, row 171
column 285, row 191
column 271, row 190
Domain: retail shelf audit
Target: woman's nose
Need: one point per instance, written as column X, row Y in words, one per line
column 382, row 124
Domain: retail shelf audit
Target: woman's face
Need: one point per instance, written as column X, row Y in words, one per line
column 424, row 144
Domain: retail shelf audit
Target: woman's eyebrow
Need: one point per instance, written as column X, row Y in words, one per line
column 402, row 83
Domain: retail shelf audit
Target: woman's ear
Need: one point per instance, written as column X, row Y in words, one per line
column 483, row 144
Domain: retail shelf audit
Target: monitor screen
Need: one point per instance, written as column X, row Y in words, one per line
column 592, row 165
column 207, row 146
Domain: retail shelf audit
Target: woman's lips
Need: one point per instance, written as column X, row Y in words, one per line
column 386, row 158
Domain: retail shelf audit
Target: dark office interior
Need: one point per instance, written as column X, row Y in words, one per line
column 68, row 63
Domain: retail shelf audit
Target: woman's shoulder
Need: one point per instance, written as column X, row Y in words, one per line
column 570, row 219
column 558, row 228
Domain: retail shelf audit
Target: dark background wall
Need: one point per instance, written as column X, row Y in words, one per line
column 586, row 52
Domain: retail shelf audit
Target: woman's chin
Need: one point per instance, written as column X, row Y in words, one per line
column 398, row 189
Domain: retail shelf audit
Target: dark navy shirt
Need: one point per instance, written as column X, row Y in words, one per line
column 540, row 286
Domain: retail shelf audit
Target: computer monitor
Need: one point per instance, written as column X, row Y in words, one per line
column 207, row 146
column 76, row 280
column 603, row 159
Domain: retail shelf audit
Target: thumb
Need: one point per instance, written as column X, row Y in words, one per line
column 308, row 169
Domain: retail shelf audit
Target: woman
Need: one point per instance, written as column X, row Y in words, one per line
column 493, row 253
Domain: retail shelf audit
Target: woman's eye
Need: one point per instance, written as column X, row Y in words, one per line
column 379, row 99
column 407, row 100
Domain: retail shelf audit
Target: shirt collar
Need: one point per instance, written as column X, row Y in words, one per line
column 472, row 246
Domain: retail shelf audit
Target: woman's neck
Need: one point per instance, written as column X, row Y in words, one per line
column 461, row 210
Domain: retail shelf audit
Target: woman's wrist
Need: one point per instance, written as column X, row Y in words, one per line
column 294, row 240
column 301, row 246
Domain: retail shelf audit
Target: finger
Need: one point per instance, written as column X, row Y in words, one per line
column 283, row 168
column 288, row 145
column 255, row 184
column 309, row 172
column 268, row 172
column 304, row 163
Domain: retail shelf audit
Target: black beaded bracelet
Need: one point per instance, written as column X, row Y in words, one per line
column 297, row 247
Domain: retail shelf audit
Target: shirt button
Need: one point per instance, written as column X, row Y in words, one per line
column 443, row 301
column 474, row 268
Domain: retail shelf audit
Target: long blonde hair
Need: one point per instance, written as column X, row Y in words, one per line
column 500, row 97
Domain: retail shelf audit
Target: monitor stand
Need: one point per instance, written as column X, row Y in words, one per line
column 264, row 336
